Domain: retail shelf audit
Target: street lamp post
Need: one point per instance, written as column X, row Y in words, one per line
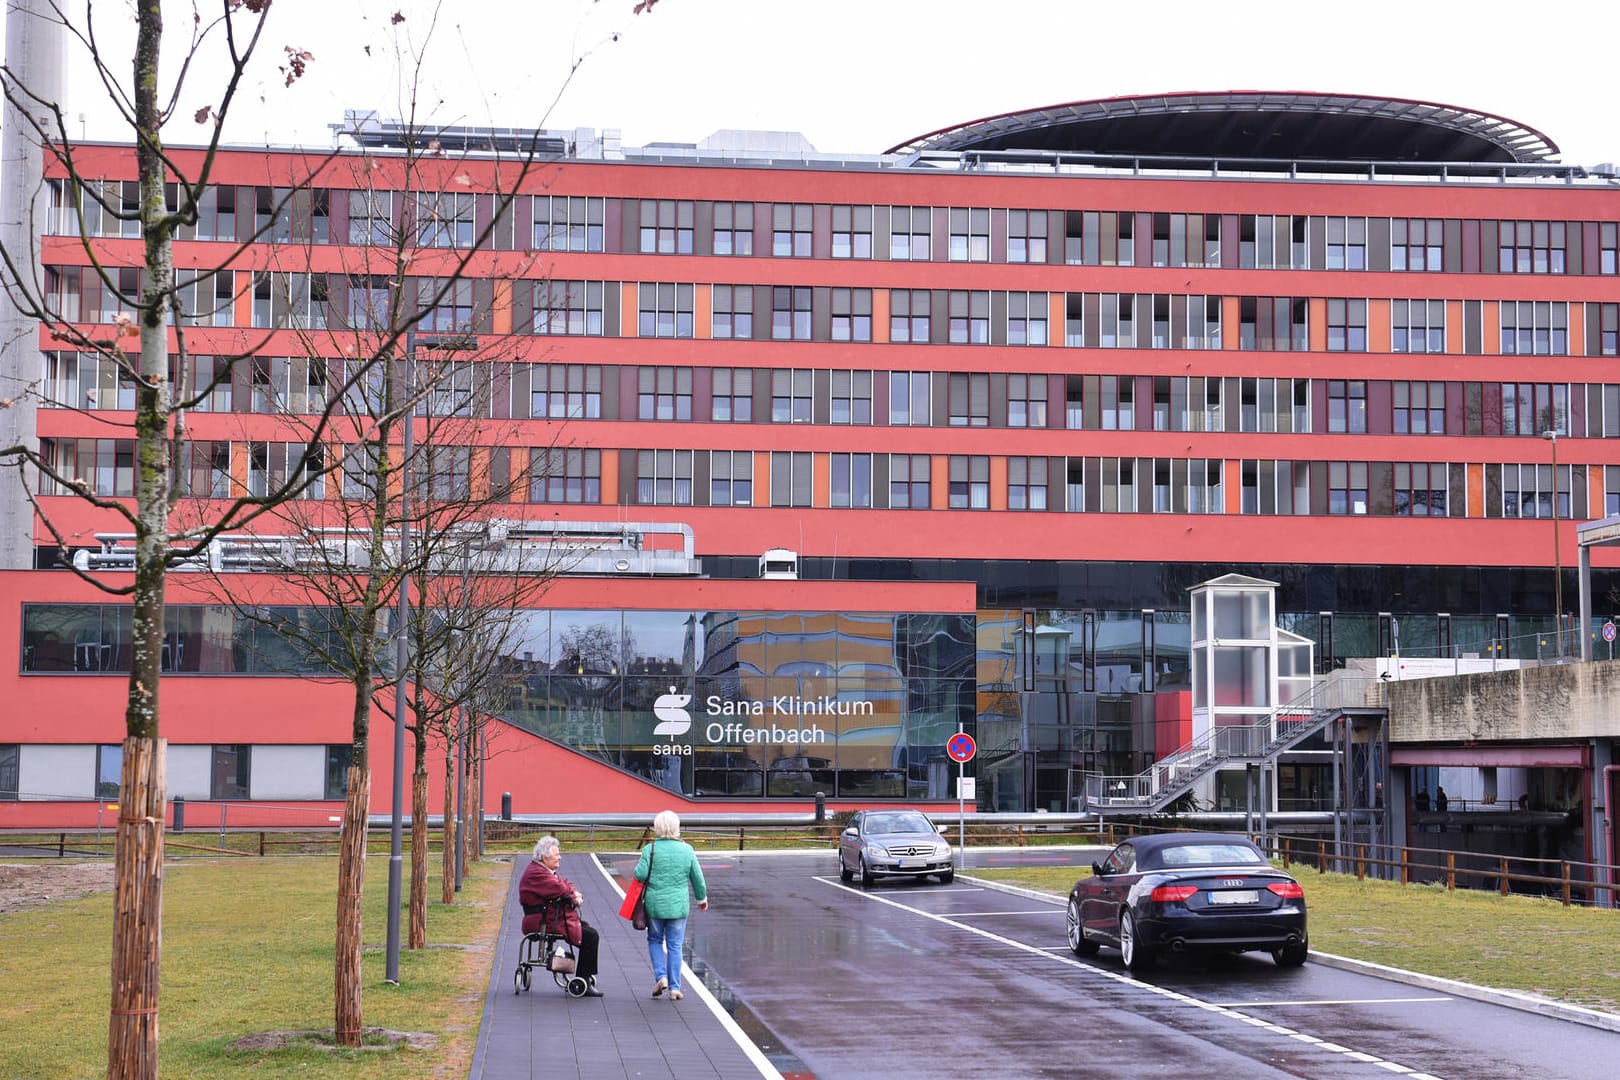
column 1551, row 435
column 396, row 823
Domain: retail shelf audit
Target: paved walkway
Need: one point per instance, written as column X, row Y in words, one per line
column 628, row 1033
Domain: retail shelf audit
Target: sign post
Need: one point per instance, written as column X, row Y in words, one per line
column 961, row 749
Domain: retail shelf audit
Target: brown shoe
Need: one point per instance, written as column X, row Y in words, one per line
column 659, row 987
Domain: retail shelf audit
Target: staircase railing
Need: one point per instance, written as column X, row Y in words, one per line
column 1226, row 744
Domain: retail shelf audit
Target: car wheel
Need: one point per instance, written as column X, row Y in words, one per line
column 1078, row 942
column 1291, row 955
column 868, row 879
column 948, row 876
column 1138, row 956
column 844, row 872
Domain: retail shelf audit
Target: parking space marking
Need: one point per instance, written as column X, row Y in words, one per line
column 978, row 914
column 1130, row 980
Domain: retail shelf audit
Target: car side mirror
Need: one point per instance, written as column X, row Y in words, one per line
column 850, row 832
column 1096, row 868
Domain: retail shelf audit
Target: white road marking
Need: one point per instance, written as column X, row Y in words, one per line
column 1128, row 980
column 979, row 914
column 1331, row 1001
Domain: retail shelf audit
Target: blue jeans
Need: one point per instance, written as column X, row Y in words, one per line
column 664, row 940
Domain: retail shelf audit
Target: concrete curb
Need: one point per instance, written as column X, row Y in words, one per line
column 1512, row 999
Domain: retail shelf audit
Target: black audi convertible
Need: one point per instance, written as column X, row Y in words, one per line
column 1188, row 892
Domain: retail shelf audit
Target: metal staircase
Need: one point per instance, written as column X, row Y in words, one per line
column 1226, row 746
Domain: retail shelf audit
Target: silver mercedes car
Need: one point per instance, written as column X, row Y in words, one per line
column 893, row 843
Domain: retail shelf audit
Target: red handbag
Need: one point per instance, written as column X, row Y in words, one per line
column 634, row 907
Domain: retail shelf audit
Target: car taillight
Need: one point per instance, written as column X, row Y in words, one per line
column 1288, row 890
column 1173, row 894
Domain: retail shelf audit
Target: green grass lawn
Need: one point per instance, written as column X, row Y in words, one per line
column 1570, row 954
column 247, row 948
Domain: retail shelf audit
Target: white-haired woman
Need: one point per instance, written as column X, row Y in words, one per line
column 670, row 868
column 539, row 890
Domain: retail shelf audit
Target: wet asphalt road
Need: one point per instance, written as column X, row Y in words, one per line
column 913, row 979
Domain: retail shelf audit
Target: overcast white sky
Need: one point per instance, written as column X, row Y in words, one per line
column 859, row 76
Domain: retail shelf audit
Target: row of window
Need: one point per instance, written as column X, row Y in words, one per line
column 475, row 389
column 859, row 231
column 883, row 481
column 809, row 313
column 219, row 772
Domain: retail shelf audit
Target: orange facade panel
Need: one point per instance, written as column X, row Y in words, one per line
column 1378, row 328
column 1476, row 490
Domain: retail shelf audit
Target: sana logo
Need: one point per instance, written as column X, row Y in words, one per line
column 673, row 719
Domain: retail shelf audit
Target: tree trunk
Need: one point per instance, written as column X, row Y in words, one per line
column 348, row 1010
column 419, row 848
column 465, row 759
column 447, row 864
column 132, row 1034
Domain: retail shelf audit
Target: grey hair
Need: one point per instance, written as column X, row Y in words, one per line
column 667, row 825
column 546, row 845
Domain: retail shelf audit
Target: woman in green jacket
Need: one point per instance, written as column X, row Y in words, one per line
column 669, row 865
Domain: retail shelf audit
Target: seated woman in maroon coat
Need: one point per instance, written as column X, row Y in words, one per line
column 541, row 883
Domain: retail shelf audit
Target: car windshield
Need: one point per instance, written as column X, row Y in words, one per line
column 897, row 823
column 1209, row 855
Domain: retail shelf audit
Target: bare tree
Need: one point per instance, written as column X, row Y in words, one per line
column 148, row 347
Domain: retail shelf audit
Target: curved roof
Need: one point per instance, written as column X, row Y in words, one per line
column 1252, row 124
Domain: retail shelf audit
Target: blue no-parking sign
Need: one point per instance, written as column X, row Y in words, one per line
column 961, row 747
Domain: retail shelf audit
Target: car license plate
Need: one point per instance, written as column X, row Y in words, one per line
column 1235, row 896
column 900, row 864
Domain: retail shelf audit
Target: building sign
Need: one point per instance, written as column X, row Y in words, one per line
column 747, row 722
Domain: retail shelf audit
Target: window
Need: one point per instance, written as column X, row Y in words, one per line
column 1274, row 323
column 1026, row 401
column 371, row 217
column 908, row 481
column 565, row 391
column 1535, row 328
column 851, row 397
column 450, row 388
column 970, row 482
column 1608, row 244
column 1026, row 236
column 733, row 228
column 791, row 390
column 206, row 469
column 1531, row 408
column 338, row 758
column 565, row 475
column 444, row 219
column 1611, row 507
column 969, row 399
column 208, row 298
column 731, row 478
column 1528, row 491
column 1118, row 394
column 449, row 471
column 790, row 478
column 1268, row 242
column 10, row 768
column 228, row 779
column 1026, row 483
column 1608, row 329
column 852, row 232
column 733, row 312
column 1420, row 408
column 567, row 223
column 909, row 230
column 275, row 466
column 910, row 398
column 970, row 317
column 1346, row 243
column 851, row 481
column 666, row 310
column 666, row 227
column 1417, row 326
column 1530, row 247
column 1346, row 325
column 368, row 302
column 1347, row 405
column 1117, row 321
column 852, row 314
column 664, row 393
column 791, row 230
column 1420, row 489
column 733, row 398
column 790, row 313
column 969, row 234
column 1026, row 318
column 1118, row 486
column 109, row 769
column 664, row 477
column 1347, row 487
column 908, row 315
column 1416, row 244
column 446, row 305
column 568, row 307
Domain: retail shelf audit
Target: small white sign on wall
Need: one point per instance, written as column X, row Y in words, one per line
column 966, row 788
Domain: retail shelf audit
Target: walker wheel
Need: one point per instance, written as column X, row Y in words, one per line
column 576, row 986
column 520, row 979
